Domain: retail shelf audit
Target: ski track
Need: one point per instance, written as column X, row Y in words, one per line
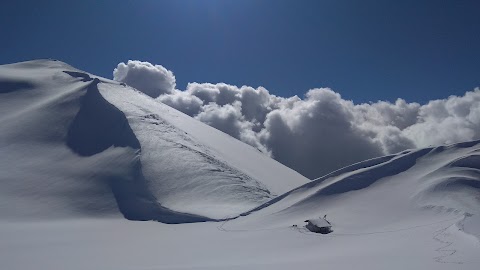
column 444, row 250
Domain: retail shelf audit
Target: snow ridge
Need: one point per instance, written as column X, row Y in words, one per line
column 121, row 150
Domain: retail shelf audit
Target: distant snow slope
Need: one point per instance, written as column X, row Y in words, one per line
column 74, row 144
column 386, row 193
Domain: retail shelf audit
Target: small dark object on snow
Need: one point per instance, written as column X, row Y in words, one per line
column 319, row 225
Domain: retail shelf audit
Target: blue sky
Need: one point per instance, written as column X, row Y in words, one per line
column 365, row 50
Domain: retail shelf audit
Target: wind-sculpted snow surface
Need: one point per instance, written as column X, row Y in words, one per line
column 74, row 144
column 181, row 172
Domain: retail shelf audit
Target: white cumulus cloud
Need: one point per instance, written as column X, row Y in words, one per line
column 319, row 132
column 153, row 80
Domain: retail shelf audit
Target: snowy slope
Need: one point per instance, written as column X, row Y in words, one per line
column 76, row 144
column 78, row 153
column 385, row 193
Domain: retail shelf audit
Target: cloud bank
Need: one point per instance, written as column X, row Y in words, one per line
column 319, row 132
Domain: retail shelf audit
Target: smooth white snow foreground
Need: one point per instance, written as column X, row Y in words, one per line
column 79, row 152
column 126, row 245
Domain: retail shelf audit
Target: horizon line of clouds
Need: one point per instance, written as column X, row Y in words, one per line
column 319, row 132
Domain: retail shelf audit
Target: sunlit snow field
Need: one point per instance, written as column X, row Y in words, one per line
column 96, row 175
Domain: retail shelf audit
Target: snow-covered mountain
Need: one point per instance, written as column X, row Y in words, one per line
column 80, row 152
column 75, row 144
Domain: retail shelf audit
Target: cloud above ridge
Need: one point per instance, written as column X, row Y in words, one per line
column 153, row 80
column 319, row 132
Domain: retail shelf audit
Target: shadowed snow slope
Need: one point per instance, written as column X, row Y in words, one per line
column 74, row 144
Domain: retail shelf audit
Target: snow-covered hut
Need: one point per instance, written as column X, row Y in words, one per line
column 319, row 225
